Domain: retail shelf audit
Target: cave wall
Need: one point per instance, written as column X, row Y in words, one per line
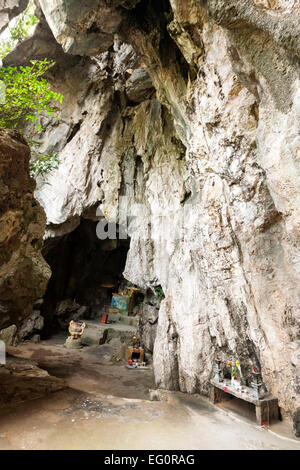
column 191, row 106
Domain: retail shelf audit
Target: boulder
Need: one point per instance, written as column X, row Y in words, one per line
column 139, row 86
column 33, row 324
column 24, row 274
column 68, row 310
column 9, row 335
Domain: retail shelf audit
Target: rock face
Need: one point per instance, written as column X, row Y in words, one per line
column 9, row 9
column 88, row 28
column 39, row 45
column 209, row 164
column 23, row 272
column 148, row 322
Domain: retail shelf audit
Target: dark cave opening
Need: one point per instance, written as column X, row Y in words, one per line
column 81, row 263
column 153, row 19
column 147, row 15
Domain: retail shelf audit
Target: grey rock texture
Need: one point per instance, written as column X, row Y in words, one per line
column 39, row 45
column 32, row 325
column 139, row 86
column 85, row 28
column 217, row 142
column 23, row 272
column 148, row 322
column 232, row 285
column 9, row 335
column 9, row 9
column 68, row 310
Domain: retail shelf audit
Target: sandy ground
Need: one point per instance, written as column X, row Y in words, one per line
column 107, row 406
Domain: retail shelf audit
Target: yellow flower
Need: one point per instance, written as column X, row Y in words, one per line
column 237, row 363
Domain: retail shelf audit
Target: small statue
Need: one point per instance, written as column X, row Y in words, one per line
column 217, row 376
column 257, row 385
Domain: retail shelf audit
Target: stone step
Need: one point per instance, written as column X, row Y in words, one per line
column 119, row 318
column 93, row 336
column 98, row 333
column 124, row 319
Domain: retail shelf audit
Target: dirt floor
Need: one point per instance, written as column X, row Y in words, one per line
column 106, row 406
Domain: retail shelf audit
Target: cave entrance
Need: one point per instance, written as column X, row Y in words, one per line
column 85, row 272
column 72, row 351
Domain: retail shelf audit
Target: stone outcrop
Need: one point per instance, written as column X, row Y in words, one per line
column 22, row 380
column 85, row 29
column 190, row 109
column 23, row 272
column 9, row 335
column 9, row 9
column 39, row 45
column 148, row 322
column 31, row 326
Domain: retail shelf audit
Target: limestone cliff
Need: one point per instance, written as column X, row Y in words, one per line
column 190, row 107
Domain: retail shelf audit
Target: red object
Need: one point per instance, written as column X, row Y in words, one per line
column 218, row 358
column 254, row 370
column 104, row 318
column 225, row 389
column 129, row 361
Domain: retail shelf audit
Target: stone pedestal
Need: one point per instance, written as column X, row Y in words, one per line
column 73, row 343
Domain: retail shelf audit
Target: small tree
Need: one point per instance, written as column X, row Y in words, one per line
column 41, row 164
column 25, row 94
column 28, row 95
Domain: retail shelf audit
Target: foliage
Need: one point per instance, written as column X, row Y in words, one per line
column 23, row 26
column 136, row 342
column 27, row 94
column 159, row 293
column 233, row 368
column 41, row 164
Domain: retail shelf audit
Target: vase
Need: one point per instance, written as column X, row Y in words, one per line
column 76, row 330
